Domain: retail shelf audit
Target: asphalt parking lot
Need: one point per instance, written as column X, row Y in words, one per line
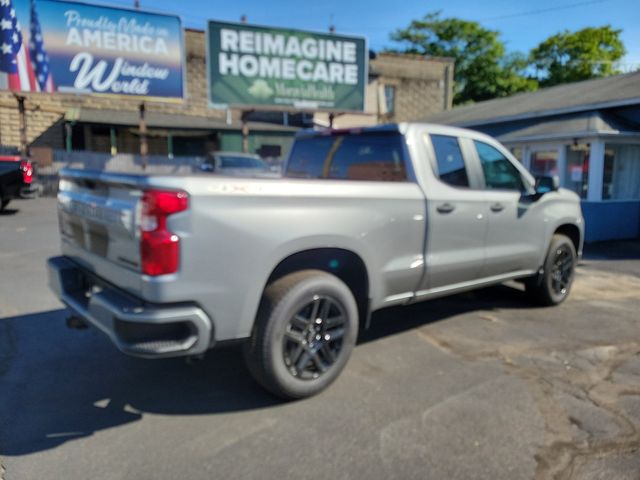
column 476, row 386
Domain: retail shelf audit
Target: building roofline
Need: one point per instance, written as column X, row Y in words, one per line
column 416, row 56
column 567, row 136
column 550, row 113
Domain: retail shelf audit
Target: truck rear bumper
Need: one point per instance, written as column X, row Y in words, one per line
column 137, row 328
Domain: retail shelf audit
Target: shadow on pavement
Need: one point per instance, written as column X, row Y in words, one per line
column 58, row 385
column 386, row 322
column 62, row 385
column 8, row 211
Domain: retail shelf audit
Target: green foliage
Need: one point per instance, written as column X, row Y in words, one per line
column 482, row 70
column 574, row 56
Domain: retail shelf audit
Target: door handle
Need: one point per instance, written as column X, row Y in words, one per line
column 497, row 207
column 445, row 208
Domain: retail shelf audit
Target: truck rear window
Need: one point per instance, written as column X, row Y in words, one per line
column 364, row 156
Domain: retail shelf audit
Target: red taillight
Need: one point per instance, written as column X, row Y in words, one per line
column 27, row 171
column 159, row 247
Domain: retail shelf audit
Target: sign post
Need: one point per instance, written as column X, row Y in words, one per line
column 245, row 131
column 142, row 127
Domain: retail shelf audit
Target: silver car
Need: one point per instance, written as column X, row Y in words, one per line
column 238, row 164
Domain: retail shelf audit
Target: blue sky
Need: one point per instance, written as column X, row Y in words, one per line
column 375, row 19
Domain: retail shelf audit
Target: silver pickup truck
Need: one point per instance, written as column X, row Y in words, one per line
column 363, row 219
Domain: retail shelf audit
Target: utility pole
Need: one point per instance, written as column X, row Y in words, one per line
column 244, row 119
column 23, row 126
column 332, row 30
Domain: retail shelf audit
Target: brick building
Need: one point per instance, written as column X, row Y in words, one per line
column 400, row 87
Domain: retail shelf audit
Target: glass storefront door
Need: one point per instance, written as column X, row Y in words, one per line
column 576, row 174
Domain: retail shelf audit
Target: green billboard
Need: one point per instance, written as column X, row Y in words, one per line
column 283, row 69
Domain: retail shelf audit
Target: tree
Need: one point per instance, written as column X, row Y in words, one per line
column 581, row 55
column 482, row 71
column 515, row 76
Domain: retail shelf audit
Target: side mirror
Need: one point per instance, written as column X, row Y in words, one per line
column 547, row 184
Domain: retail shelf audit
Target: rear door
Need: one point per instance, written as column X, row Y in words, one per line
column 515, row 228
column 373, row 159
column 457, row 224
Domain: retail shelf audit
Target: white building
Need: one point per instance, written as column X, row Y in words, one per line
column 587, row 133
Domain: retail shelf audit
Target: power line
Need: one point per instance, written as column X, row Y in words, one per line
column 543, row 10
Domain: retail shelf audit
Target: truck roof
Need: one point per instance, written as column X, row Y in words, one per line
column 402, row 127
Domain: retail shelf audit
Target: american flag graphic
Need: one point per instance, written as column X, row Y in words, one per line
column 39, row 57
column 15, row 66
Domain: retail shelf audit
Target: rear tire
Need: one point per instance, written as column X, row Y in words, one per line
column 552, row 286
column 304, row 333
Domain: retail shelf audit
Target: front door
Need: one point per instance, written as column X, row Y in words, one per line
column 515, row 233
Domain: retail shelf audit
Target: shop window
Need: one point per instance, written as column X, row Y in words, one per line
column 621, row 172
column 100, row 139
column 544, row 163
column 390, row 99
column 577, row 170
column 77, row 136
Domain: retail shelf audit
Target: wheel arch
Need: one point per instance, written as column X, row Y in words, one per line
column 345, row 264
column 571, row 231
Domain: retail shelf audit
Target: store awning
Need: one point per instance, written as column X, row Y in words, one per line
column 157, row 120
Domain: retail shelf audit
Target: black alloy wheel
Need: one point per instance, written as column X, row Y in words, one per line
column 313, row 338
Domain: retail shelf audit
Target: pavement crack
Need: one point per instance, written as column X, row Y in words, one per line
column 584, row 375
column 592, row 385
column 438, row 343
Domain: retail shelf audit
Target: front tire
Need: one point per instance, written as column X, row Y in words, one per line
column 553, row 285
column 305, row 331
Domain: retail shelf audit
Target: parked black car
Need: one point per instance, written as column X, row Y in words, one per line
column 16, row 176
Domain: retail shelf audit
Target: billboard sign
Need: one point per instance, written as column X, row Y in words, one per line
column 71, row 47
column 275, row 68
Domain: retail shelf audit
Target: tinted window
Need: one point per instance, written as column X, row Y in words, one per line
column 451, row 167
column 308, row 156
column 499, row 172
column 376, row 157
column 229, row 161
column 369, row 157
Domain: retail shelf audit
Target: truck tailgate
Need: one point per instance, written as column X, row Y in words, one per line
column 99, row 217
